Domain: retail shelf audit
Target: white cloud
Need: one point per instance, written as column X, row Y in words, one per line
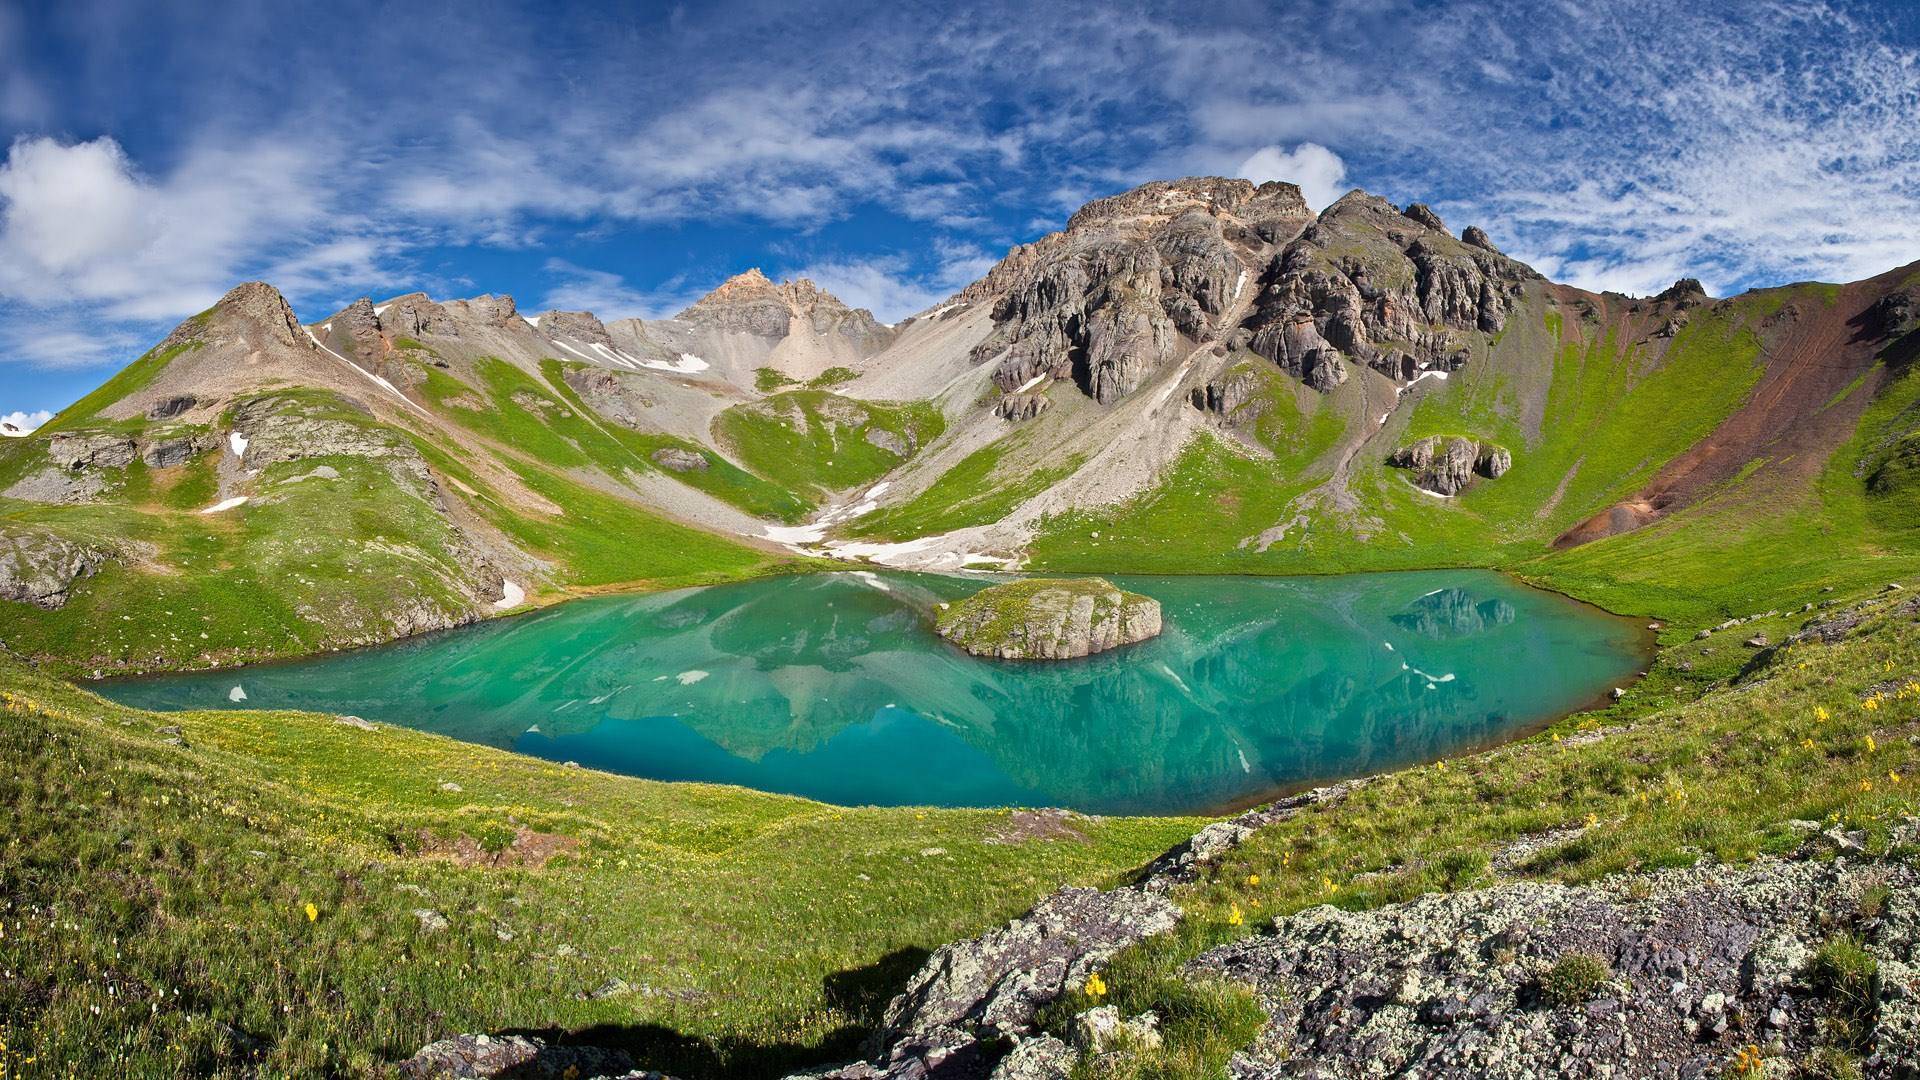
column 608, row 296
column 24, row 422
column 1319, row 171
column 79, row 224
column 890, row 286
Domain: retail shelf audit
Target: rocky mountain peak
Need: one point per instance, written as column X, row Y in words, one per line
column 1111, row 298
column 578, row 325
column 1372, row 284
column 1164, row 200
column 487, row 309
column 247, row 308
column 750, row 303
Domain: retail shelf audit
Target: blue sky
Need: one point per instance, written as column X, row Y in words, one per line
column 628, row 157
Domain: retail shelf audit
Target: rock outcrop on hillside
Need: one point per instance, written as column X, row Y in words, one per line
column 1665, row 974
column 1370, row 284
column 1446, row 464
column 1111, row 298
column 38, row 567
column 1049, row 619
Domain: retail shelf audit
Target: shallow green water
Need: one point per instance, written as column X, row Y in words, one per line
column 835, row 687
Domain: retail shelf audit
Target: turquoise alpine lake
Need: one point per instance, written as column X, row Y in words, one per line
column 835, row 687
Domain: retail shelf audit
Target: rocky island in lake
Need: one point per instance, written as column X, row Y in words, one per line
column 1049, row 619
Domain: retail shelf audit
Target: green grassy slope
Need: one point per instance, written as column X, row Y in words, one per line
column 307, row 565
column 813, row 442
column 1587, row 431
column 155, row 920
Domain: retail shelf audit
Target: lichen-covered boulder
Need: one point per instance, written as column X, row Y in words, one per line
column 1049, row 619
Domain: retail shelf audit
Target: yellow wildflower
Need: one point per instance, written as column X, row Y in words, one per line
column 1808, row 743
column 1592, row 820
column 1820, row 713
column 1866, row 785
column 1253, row 879
column 1327, row 885
column 1096, row 986
column 1893, row 777
column 313, row 913
column 1871, row 745
column 1234, row 918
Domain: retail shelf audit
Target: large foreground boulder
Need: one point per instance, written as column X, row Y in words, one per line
column 1049, row 619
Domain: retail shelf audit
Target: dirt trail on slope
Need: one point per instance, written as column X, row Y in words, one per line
column 1813, row 352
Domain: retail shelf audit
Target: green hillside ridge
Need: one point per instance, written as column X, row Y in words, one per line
column 813, row 442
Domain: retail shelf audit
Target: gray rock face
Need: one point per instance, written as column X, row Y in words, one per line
column 1022, row 407
column 79, row 450
column 487, row 310
column 575, row 325
column 171, row 407
column 674, row 459
column 164, row 451
column 1700, row 962
column 1109, row 300
column 415, row 315
column 1045, row 619
column 1370, row 284
column 38, row 567
column 79, row 466
column 1445, row 465
column 1475, row 236
column 519, row 1057
column 1234, row 397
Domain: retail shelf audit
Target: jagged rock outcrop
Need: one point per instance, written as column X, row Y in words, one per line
column 38, row 567
column 1475, row 236
column 1049, row 619
column 1370, row 284
column 577, row 325
column 1688, row 966
column 1020, row 407
column 76, row 451
column 165, row 450
column 487, row 309
column 416, row 315
column 1111, row 298
column 1446, row 464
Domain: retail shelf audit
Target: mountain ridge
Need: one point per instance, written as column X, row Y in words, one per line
column 1201, row 366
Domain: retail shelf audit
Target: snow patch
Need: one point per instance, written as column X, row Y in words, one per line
column 1031, row 383
column 532, row 320
column 381, row 309
column 238, row 442
column 238, row 693
column 511, row 596
column 688, row 678
column 225, row 505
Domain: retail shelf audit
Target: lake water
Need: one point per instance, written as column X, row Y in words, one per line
column 835, row 687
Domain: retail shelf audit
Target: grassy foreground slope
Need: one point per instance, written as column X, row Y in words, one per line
column 249, row 893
